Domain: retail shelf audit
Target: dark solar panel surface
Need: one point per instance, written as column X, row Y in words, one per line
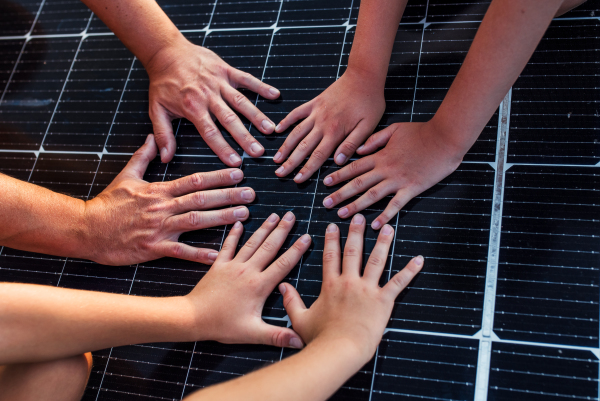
column 74, row 108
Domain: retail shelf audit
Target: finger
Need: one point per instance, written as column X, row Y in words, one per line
column 352, row 141
column 232, row 123
column 246, row 80
column 292, row 141
column 298, row 113
column 373, row 194
column 214, row 139
column 277, row 336
column 293, row 304
column 316, row 160
column 137, row 165
column 207, row 200
column 353, row 251
column 401, row 279
column 354, row 187
column 378, row 258
column 257, row 238
column 332, row 259
column 203, row 181
column 377, row 140
column 230, row 244
column 401, row 198
column 198, row 220
column 352, row 170
column 180, row 250
column 163, row 132
column 241, row 103
column 269, row 248
column 286, row 262
column 305, row 147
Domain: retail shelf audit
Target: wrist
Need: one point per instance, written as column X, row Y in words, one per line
column 449, row 138
column 366, row 76
column 161, row 57
column 357, row 350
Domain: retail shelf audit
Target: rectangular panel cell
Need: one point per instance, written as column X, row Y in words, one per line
column 97, row 26
column 91, row 96
column 100, row 359
column 62, row 17
column 9, row 53
column 27, row 267
column 87, row 275
column 245, row 14
column 554, row 110
column 449, row 225
column 589, row 9
column 414, row 366
column 17, row 165
column 35, row 87
column 17, row 17
column 414, row 12
column 314, row 12
column 67, row 173
column 444, row 49
column 549, row 262
column 146, row 371
column 188, row 14
column 453, row 11
column 302, row 63
column 535, row 373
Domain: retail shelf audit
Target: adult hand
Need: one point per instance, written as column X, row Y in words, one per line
column 350, row 306
column 189, row 81
column 133, row 221
column 415, row 158
column 229, row 299
column 347, row 111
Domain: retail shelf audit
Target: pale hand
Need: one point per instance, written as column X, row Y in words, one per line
column 347, row 111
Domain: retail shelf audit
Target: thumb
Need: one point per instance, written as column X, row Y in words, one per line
column 292, row 302
column 279, row 336
column 163, row 133
column 377, row 140
column 141, row 158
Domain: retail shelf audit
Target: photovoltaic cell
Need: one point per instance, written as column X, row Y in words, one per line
column 314, row 12
column 445, row 11
column 414, row 12
column 62, row 17
column 9, row 53
column 188, row 14
column 245, row 13
column 18, row 16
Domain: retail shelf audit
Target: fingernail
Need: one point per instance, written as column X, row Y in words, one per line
column 256, row 148
column 247, row 195
column 282, row 288
column 234, row 158
column 240, row 212
column 277, row 156
column 236, row 175
column 295, row 343
column 328, row 202
column 376, row 225
column 289, row 216
column 361, row 147
column 331, row 228
column 305, row 238
column 272, row 218
column 358, row 219
column 327, row 180
column 267, row 125
column 343, row 212
column 273, row 91
column 163, row 153
column 237, row 225
column 419, row 260
column 279, row 170
column 340, row 158
column 298, row 177
column 148, row 138
column 278, row 127
column 213, row 255
column 387, row 230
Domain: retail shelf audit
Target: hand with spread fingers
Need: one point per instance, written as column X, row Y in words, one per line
column 346, row 113
column 230, row 297
column 414, row 158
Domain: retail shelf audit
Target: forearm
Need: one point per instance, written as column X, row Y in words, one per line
column 374, row 39
column 140, row 24
column 39, row 220
column 313, row 374
column 505, row 41
column 40, row 323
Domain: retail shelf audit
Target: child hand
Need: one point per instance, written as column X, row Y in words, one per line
column 229, row 300
column 415, row 158
column 189, row 81
column 347, row 111
column 350, row 306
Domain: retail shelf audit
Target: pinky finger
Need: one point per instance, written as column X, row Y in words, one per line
column 398, row 202
column 230, row 244
column 401, row 279
column 180, row 250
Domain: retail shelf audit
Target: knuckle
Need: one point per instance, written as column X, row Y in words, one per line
column 373, row 194
column 277, row 338
column 230, row 195
column 358, row 183
column 318, row 155
column 353, row 167
column 400, row 281
column 282, row 263
column 268, row 246
column 348, row 147
column 329, row 256
column 177, row 250
column 375, row 260
column 303, row 146
column 199, row 199
column 239, row 99
column 396, row 203
column 197, row 180
column 229, row 117
column 351, row 251
column 211, row 133
column 194, row 219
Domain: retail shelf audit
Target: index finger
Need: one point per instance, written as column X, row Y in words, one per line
column 246, row 80
column 202, row 181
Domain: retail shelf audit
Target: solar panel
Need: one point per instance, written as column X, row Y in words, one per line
column 507, row 304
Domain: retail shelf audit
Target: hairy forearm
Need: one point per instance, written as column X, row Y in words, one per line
column 40, row 323
column 505, row 41
column 374, row 39
column 140, row 24
column 314, row 373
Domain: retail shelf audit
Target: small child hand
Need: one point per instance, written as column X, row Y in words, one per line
column 347, row 111
column 350, row 306
column 415, row 158
column 229, row 300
